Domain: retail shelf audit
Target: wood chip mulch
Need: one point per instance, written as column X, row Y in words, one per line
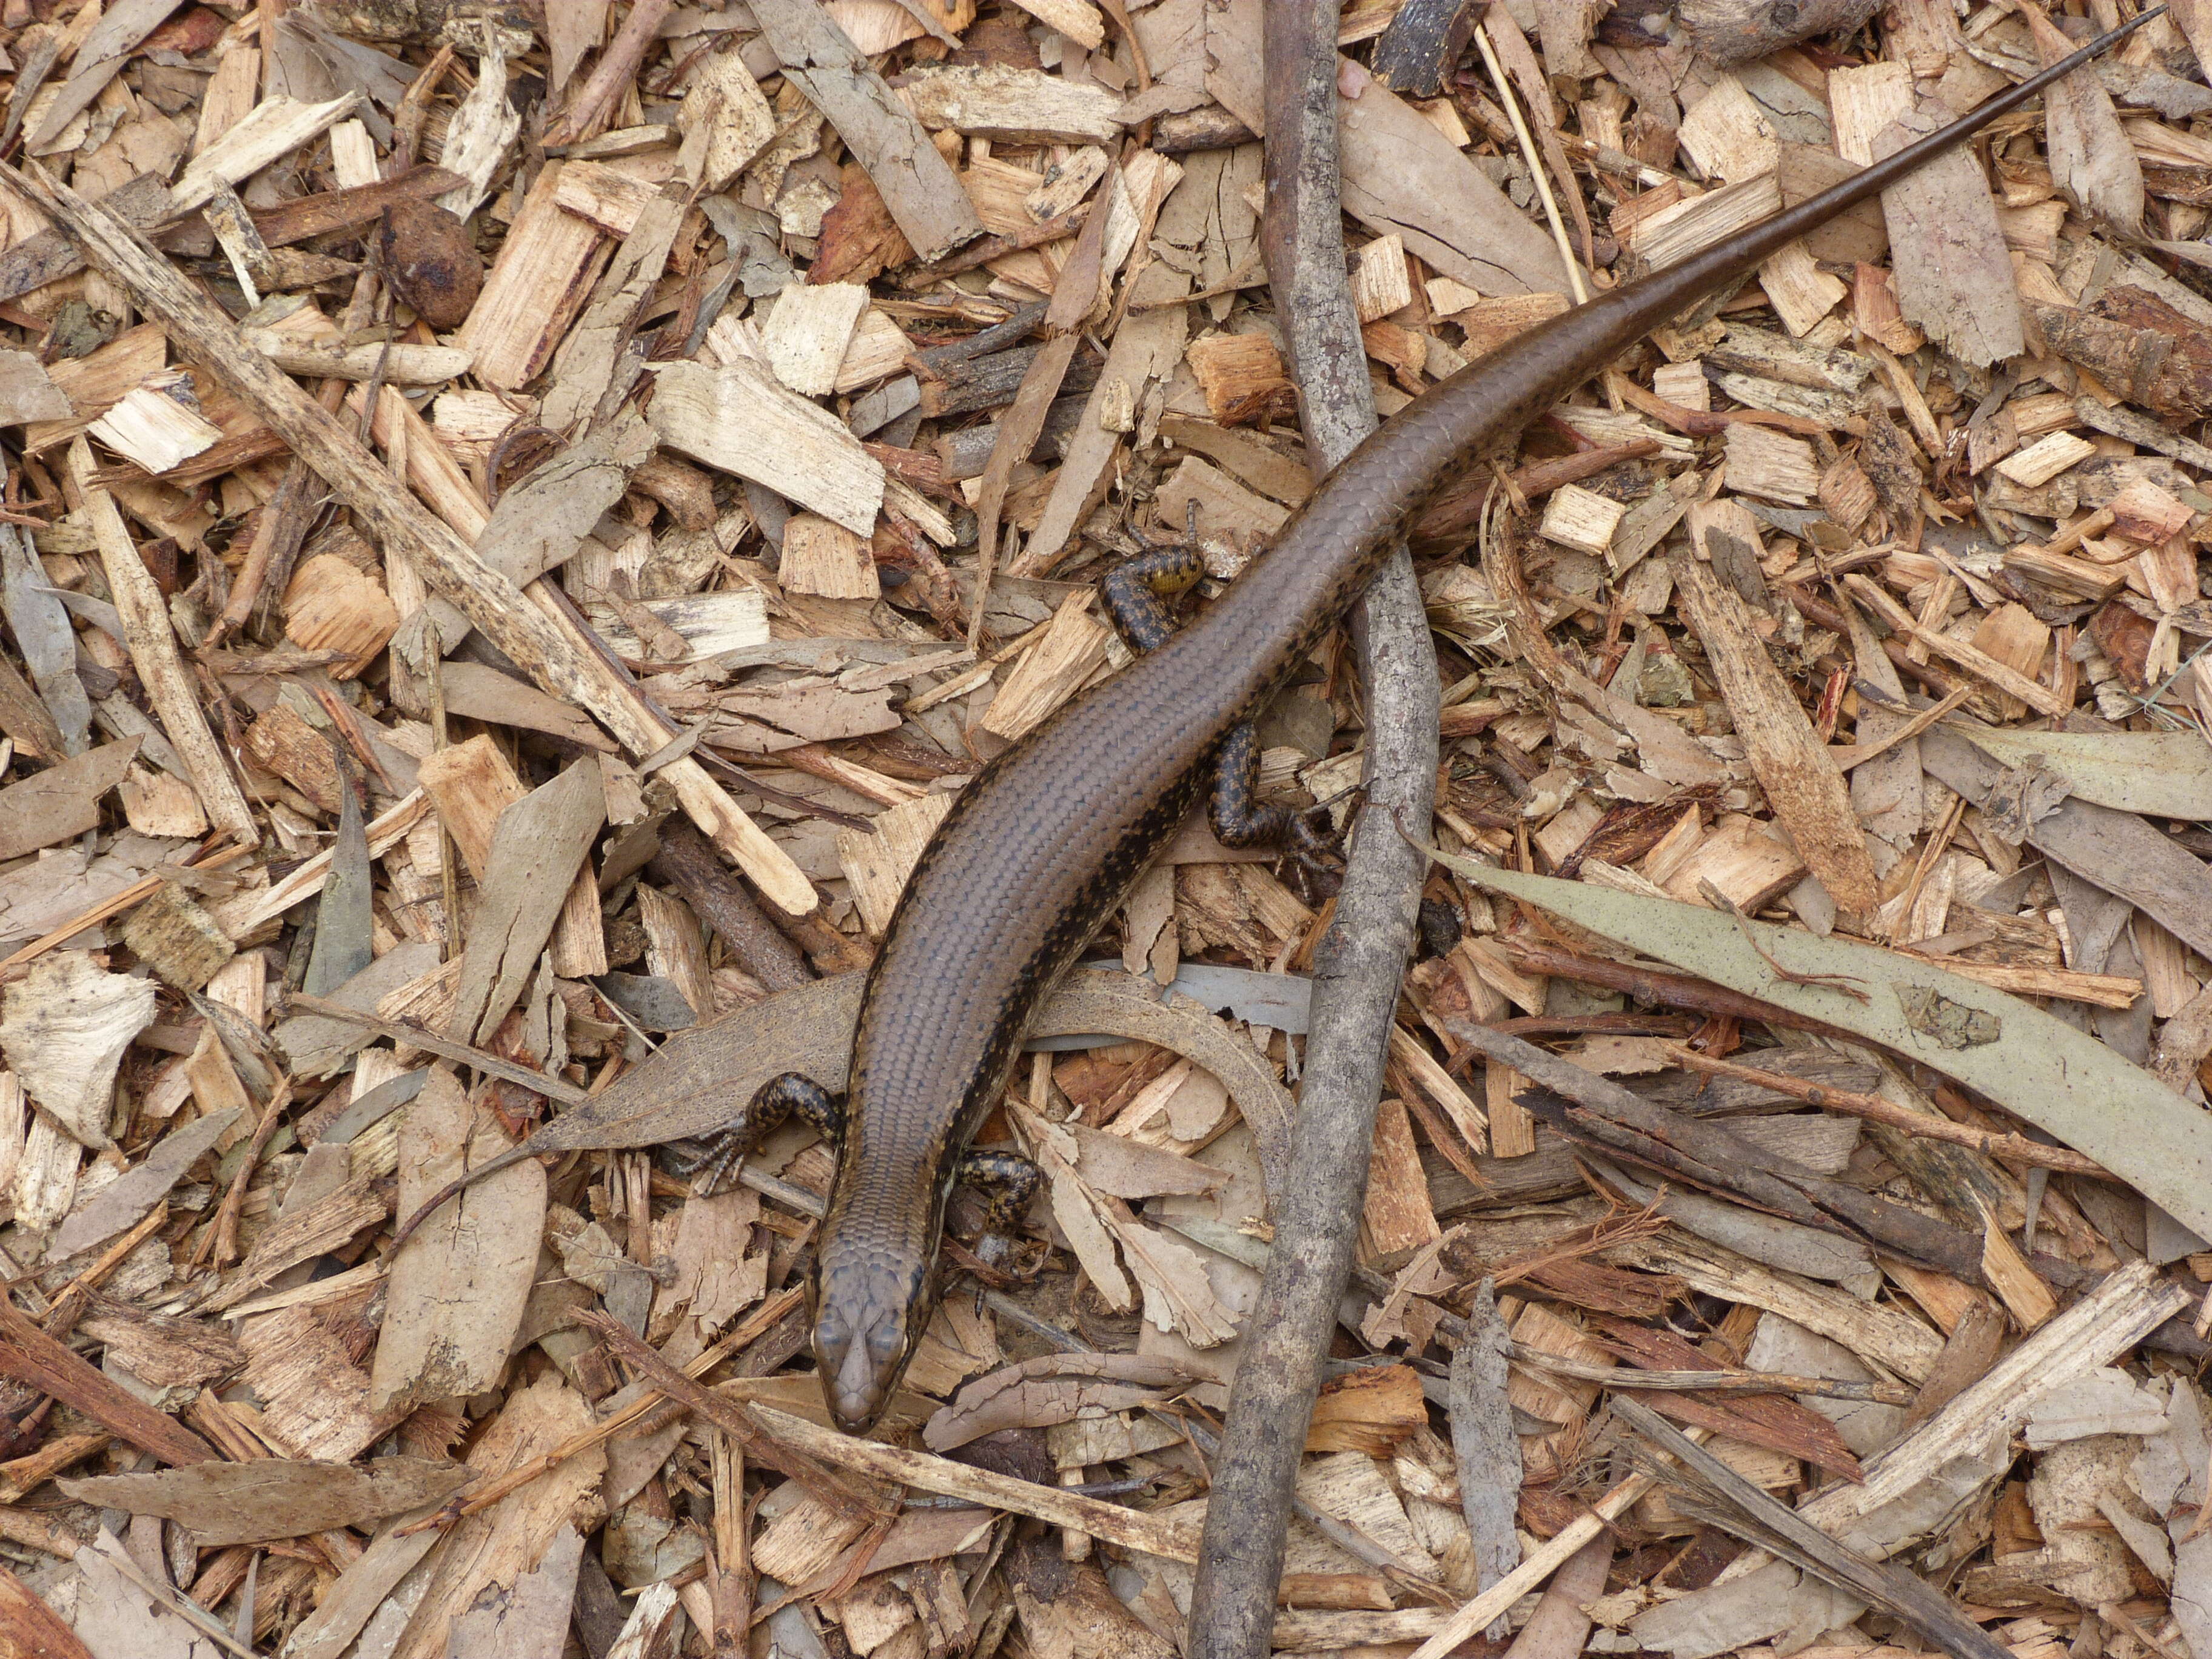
column 495, row 662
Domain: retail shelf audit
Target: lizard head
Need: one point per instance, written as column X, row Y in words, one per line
column 868, row 1318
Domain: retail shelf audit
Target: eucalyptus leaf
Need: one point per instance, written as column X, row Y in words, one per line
column 2168, row 775
column 2037, row 1067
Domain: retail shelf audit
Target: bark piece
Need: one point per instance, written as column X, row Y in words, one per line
column 1019, row 105
column 27, row 393
column 498, row 1546
column 2089, row 155
column 1954, row 276
column 459, row 1284
column 333, row 606
column 1484, row 1443
column 884, row 135
column 531, row 1615
column 272, row 1498
column 175, row 936
column 65, row 1026
column 1736, row 31
column 827, row 559
column 741, row 419
column 1807, row 793
column 2143, row 349
column 62, row 801
column 541, row 279
column 536, row 850
column 153, row 648
column 47, row 640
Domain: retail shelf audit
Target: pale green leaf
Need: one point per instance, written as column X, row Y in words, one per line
column 2037, row 1067
column 2167, row 775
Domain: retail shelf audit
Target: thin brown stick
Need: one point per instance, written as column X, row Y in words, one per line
column 1719, row 1381
column 985, row 249
column 491, row 1064
column 687, row 863
column 2017, row 1149
column 222, row 1239
column 763, row 1319
column 1859, row 754
column 731, row 1416
column 617, row 64
column 29, row 1355
column 1364, row 951
column 68, row 1307
column 1648, row 985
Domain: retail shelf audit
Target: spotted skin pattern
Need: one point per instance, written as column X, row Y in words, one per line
column 1133, row 591
column 1044, row 843
column 773, row 1104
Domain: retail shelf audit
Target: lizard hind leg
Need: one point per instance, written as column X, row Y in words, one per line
column 1308, row 839
column 1133, row 592
column 1003, row 1183
column 775, row 1100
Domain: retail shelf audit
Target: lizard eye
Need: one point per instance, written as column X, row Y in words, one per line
column 887, row 1340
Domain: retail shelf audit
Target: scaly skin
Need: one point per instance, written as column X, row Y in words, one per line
column 1046, row 841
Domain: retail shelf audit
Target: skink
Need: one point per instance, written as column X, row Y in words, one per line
column 1045, row 842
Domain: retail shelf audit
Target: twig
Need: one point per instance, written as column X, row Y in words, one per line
column 1072, row 297
column 490, row 1065
column 985, row 249
column 2017, row 1149
column 1155, row 1534
column 1316, row 1214
column 1718, row 1382
column 222, row 1239
column 650, row 1399
column 686, row 862
column 1860, row 753
column 1544, row 1560
column 616, row 66
column 1512, row 102
column 731, row 1416
column 29, row 1355
column 1721, row 901
column 1737, row 1506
